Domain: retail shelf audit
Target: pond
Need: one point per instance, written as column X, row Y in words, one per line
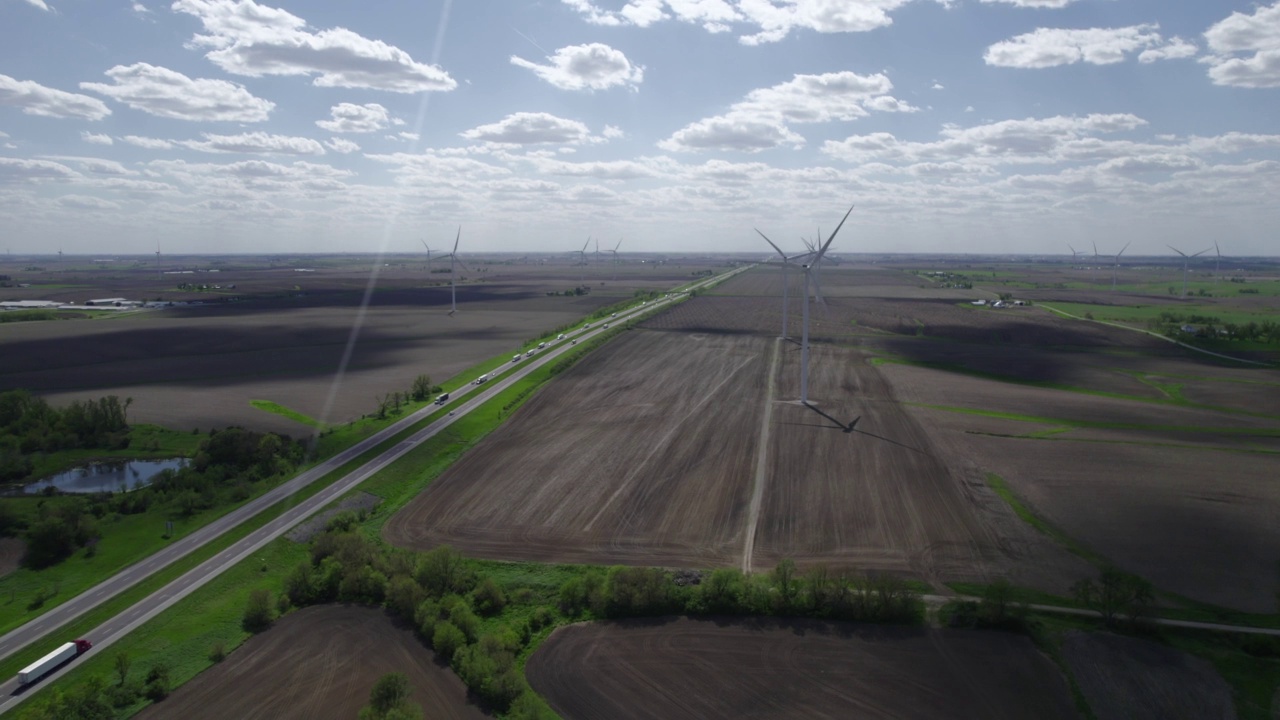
column 107, row 476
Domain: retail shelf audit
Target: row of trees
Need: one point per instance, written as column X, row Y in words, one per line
column 1171, row 323
column 29, row 425
column 481, row 627
column 393, row 402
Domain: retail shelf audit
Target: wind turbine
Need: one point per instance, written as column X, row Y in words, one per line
column 1116, row 268
column 1074, row 253
column 1096, row 264
column 453, row 278
column 597, row 258
column 1217, row 266
column 428, row 247
column 1186, row 260
column 810, row 271
column 786, row 281
column 614, row 251
column 158, row 258
column 582, row 261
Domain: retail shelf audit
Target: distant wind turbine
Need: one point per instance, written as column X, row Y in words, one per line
column 1186, row 260
column 1116, row 268
column 453, row 277
column 428, row 247
column 614, row 252
column 158, row 273
column 786, row 281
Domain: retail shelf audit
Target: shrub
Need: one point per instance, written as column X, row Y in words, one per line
column 488, row 598
column 258, row 613
column 447, row 638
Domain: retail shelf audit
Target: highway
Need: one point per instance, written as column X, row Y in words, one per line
column 114, row 629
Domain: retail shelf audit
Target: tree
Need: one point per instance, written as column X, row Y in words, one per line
column 441, row 571
column 421, row 389
column 258, row 612
column 389, row 699
column 784, row 581
column 122, row 666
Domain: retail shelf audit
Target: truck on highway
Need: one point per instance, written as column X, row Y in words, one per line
column 41, row 667
column 442, row 399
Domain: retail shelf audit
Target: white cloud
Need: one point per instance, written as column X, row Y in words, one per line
column 17, row 170
column 36, row 99
column 146, row 142
column 1054, row 4
column 765, row 20
column 937, row 86
column 40, row 4
column 255, row 40
column 1176, row 49
column 139, row 8
column 1051, row 47
column 612, row 132
column 95, row 138
column 341, row 145
column 528, row 128
column 87, row 202
column 410, row 136
column 351, row 118
column 1008, row 141
column 586, row 67
column 1231, row 41
column 256, row 142
column 761, row 120
column 165, row 93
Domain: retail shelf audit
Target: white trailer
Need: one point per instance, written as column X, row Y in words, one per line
column 41, row 667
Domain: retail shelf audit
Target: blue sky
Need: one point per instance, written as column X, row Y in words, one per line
column 677, row 125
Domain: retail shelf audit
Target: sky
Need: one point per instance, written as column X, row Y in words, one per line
column 957, row 126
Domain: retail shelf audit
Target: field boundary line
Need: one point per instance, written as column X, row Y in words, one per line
column 762, row 456
column 1166, row 338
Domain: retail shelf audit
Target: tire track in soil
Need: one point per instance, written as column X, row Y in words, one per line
column 762, row 455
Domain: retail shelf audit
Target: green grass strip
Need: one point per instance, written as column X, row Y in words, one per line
column 1029, row 516
column 278, row 409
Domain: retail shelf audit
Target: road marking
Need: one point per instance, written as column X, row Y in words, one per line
column 762, row 456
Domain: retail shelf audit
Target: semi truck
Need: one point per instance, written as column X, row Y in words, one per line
column 41, row 667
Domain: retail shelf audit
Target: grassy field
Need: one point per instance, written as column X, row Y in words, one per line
column 1142, row 314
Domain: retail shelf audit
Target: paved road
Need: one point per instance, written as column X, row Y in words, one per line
column 114, row 629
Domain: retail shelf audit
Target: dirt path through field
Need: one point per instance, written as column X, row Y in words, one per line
column 762, row 457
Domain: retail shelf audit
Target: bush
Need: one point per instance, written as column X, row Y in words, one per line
column 442, row 571
column 258, row 612
column 447, row 638
column 488, row 598
column 157, row 683
column 218, row 652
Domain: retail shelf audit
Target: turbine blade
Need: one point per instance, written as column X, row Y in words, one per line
column 1215, row 248
column 775, row 247
column 833, row 232
column 456, row 239
column 1176, row 250
column 1095, row 250
column 1202, row 252
column 1126, row 247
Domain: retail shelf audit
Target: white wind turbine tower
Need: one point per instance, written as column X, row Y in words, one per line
column 1074, row 253
column 810, row 271
column 582, row 261
column 1116, row 267
column 614, row 252
column 1096, row 263
column 158, row 273
column 786, row 280
column 1217, row 265
column 1186, row 260
column 453, row 277
column 428, row 247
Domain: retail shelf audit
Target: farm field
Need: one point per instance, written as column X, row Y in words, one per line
column 1116, row 438
column 1125, row 678
column 198, row 367
column 771, row 669
column 318, row 662
column 648, row 452
column 639, row 454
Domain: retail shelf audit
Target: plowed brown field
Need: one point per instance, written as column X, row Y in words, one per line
column 682, row 668
column 319, row 662
column 641, row 454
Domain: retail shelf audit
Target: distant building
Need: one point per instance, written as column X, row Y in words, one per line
column 116, row 302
